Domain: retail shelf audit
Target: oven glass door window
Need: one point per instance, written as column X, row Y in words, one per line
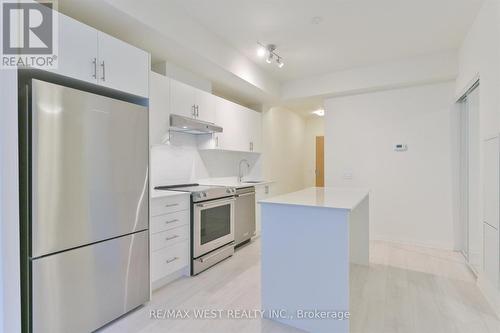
column 215, row 223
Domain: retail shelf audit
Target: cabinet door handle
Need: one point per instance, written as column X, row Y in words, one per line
column 216, row 141
column 171, row 237
column 103, row 65
column 193, row 111
column 172, row 205
column 94, row 62
column 172, row 260
column 171, row 221
column 197, row 111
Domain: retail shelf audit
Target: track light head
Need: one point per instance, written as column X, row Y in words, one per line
column 280, row 62
column 269, row 58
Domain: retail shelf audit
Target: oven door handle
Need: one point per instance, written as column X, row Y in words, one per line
column 216, row 203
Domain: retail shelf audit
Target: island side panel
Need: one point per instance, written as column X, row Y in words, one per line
column 305, row 264
column 359, row 233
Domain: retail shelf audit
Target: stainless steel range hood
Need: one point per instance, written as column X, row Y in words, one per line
column 192, row 126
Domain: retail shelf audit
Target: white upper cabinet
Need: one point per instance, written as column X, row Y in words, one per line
column 228, row 116
column 205, row 106
column 92, row 56
column 254, row 130
column 122, row 66
column 159, row 109
column 77, row 50
column 182, row 99
column 192, row 102
column 242, row 128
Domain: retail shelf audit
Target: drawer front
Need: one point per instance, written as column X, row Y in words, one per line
column 171, row 204
column 169, row 260
column 169, row 237
column 169, row 221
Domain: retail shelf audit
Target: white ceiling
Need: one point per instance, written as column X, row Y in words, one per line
column 352, row 33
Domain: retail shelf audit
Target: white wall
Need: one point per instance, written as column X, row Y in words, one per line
column 10, row 299
column 283, row 149
column 167, row 68
column 181, row 162
column 411, row 199
column 315, row 126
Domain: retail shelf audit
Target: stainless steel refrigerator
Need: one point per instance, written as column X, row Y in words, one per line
column 84, row 206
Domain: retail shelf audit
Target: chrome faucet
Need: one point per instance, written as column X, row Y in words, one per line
column 240, row 175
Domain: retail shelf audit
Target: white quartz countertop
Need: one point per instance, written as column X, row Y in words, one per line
column 326, row 197
column 161, row 193
column 233, row 182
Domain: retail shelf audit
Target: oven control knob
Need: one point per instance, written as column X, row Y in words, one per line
column 204, row 194
column 228, row 190
column 197, row 195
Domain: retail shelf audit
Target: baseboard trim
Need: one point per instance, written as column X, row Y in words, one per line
column 432, row 245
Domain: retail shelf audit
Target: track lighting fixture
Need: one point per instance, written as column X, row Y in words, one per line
column 270, row 52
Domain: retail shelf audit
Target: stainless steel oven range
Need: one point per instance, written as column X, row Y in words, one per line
column 212, row 223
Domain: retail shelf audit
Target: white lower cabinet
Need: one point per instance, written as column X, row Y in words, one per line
column 169, row 260
column 491, row 254
column 170, row 238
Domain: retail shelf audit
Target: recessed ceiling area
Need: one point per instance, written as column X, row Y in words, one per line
column 320, row 36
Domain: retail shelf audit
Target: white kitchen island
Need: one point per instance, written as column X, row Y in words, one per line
column 309, row 240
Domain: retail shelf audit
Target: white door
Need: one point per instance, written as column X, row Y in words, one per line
column 491, row 197
column 205, row 104
column 475, row 220
column 159, row 108
column 491, row 254
column 122, row 66
column 182, row 99
column 77, row 50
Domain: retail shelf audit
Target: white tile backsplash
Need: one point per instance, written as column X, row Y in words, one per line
column 181, row 162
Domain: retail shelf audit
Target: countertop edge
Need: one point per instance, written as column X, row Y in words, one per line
column 350, row 208
column 161, row 194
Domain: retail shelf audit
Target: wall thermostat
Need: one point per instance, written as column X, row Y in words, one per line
column 400, row 147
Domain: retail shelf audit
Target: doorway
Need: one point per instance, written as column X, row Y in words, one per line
column 469, row 171
column 320, row 161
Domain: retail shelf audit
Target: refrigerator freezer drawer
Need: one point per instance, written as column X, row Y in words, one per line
column 83, row 289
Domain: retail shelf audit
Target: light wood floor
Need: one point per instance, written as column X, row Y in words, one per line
column 406, row 289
